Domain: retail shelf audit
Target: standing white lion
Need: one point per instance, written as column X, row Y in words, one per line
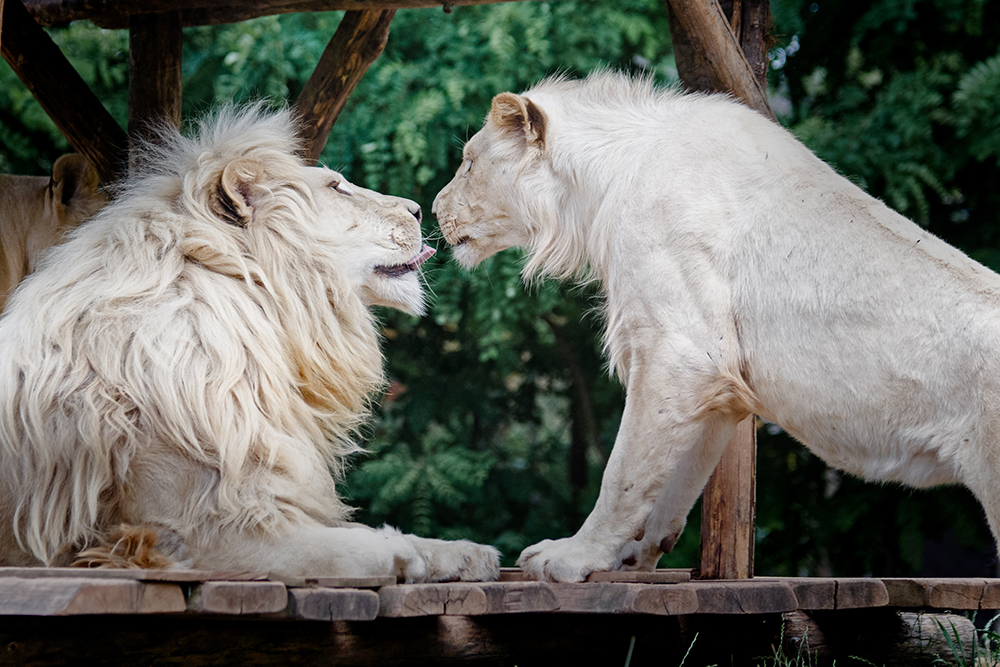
column 742, row 275
column 193, row 363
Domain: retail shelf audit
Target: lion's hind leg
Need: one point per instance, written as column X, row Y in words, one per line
column 136, row 547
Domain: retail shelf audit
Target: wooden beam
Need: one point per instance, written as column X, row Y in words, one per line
column 358, row 41
column 1, row 21
column 727, row 509
column 709, row 56
column 115, row 13
column 63, row 94
column 154, row 72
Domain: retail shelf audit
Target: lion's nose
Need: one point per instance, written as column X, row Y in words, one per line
column 414, row 210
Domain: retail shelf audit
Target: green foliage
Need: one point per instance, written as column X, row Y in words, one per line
column 502, row 412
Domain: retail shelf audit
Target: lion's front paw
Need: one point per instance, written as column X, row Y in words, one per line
column 457, row 560
column 568, row 560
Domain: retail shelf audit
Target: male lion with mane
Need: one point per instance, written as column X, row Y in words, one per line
column 741, row 275
column 186, row 371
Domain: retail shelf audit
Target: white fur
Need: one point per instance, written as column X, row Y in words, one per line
column 742, row 274
column 196, row 359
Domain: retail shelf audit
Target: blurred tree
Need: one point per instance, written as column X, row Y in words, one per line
column 501, row 412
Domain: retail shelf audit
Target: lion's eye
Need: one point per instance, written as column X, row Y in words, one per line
column 466, row 167
column 339, row 187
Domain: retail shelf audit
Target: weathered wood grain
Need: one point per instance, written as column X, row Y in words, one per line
column 238, row 597
column 701, row 26
column 661, row 576
column 954, row 594
column 333, row 582
column 66, row 597
column 115, row 13
column 62, row 93
column 357, row 42
column 332, row 604
column 626, row 598
column 820, row 593
column 179, row 576
column 743, row 597
column 728, row 506
column 465, row 599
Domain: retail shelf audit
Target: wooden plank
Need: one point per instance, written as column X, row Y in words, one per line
column 357, row 42
column 701, row 26
column 465, row 599
column 239, row 597
column 744, row 597
column 114, row 13
column 65, row 597
column 661, row 576
column 626, row 598
column 952, row 594
column 154, row 73
column 180, row 576
column 728, row 506
column 823, row 593
column 61, row 92
column 332, row 604
column 334, row 582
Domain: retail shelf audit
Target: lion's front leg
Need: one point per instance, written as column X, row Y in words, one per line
column 660, row 460
column 351, row 550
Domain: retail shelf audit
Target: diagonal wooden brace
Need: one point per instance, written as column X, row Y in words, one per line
column 63, row 94
column 358, row 41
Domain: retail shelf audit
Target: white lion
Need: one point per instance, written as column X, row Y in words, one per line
column 193, row 362
column 742, row 275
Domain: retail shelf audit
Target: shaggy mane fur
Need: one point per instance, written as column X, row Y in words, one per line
column 161, row 333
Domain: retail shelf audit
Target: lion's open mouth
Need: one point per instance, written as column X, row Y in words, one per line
column 396, row 270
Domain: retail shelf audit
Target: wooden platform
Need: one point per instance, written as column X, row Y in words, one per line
column 63, row 616
column 68, row 592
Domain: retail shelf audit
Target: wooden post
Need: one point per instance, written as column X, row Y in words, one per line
column 728, row 505
column 154, row 73
column 358, row 41
column 64, row 96
column 716, row 52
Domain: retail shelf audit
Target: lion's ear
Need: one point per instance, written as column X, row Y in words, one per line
column 518, row 114
column 73, row 177
column 237, row 191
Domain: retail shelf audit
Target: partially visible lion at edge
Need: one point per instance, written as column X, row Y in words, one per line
column 180, row 378
column 742, row 275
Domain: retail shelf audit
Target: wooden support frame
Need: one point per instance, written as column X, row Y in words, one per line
column 63, row 94
column 357, row 42
column 154, row 72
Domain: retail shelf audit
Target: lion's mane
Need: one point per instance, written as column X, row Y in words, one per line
column 163, row 331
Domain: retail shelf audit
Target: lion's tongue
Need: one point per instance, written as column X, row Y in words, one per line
column 426, row 252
